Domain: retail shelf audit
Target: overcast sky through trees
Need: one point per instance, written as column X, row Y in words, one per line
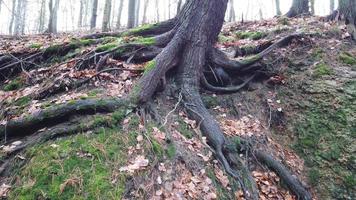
column 68, row 14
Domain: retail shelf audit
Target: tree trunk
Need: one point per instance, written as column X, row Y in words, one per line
column 119, row 13
column 232, row 16
column 137, row 12
column 53, row 11
column 42, row 17
column 332, row 6
column 179, row 6
column 278, row 7
column 106, row 16
column 144, row 15
column 81, row 11
column 347, row 9
column 312, row 7
column 12, row 17
column 131, row 14
column 157, row 11
column 299, row 7
column 23, row 17
column 94, row 14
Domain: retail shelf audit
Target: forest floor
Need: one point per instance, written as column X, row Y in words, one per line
column 302, row 111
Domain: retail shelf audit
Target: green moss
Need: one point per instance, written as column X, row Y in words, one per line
column 35, row 46
column 317, row 54
column 314, row 176
column 322, row 69
column 51, row 50
column 94, row 92
column 86, row 42
column 144, row 40
column 222, row 38
column 184, row 129
column 78, row 167
column 171, row 151
column 23, row 101
column 157, row 148
column 210, row 101
column 106, row 47
column 149, row 66
column 119, row 115
column 145, row 27
column 348, row 59
column 251, row 35
column 100, row 121
column 15, row 84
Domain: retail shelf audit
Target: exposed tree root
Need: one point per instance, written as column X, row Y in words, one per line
column 230, row 89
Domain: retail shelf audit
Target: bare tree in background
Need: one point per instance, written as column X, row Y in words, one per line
column 144, row 15
column 299, row 7
column 157, row 11
column 278, row 7
column 20, row 17
column 0, row 5
column 42, row 17
column 232, row 16
column 137, row 11
column 131, row 14
column 53, row 11
column 94, row 14
column 179, row 6
column 312, row 7
column 332, row 6
column 12, row 16
column 106, row 16
column 119, row 13
column 81, row 11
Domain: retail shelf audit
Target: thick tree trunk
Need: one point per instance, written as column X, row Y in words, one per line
column 131, row 14
column 278, row 7
column 94, row 14
column 106, row 16
column 299, row 7
column 119, row 13
column 179, row 6
column 18, row 17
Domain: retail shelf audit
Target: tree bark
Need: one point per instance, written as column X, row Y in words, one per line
column 41, row 20
column 278, row 7
column 332, row 6
column 106, row 16
column 347, row 9
column 179, row 6
column 94, row 14
column 299, row 7
column 131, row 14
column 119, row 13
column 157, row 11
column 18, row 17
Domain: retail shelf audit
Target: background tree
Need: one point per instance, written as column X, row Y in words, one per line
column 144, row 15
column 137, row 12
column 53, row 15
column 278, row 7
column 106, row 16
column 299, row 7
column 42, row 16
column 131, row 14
column 20, row 17
column 94, row 14
column 179, row 6
column 347, row 9
column 232, row 16
column 332, row 6
column 157, row 11
column 81, row 11
column 312, row 7
column 119, row 13
column 13, row 14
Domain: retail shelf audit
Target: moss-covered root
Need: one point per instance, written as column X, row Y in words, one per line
column 57, row 114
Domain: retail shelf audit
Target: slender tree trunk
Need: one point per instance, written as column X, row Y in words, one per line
column 137, row 12
column 0, row 6
column 119, row 13
column 18, row 17
column 81, row 11
column 94, row 14
column 41, row 20
column 53, row 11
column 278, row 7
column 144, row 17
column 13, row 15
column 232, row 16
column 131, row 14
column 299, row 7
column 179, row 6
column 332, row 6
column 106, row 16
column 23, row 17
column 312, row 7
column 157, row 11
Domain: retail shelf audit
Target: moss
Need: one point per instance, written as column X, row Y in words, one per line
column 314, row 176
column 171, row 151
column 106, row 47
column 184, row 129
column 251, row 35
column 109, row 40
column 86, row 42
column 157, row 148
column 317, row 54
column 210, row 101
column 118, row 115
column 35, row 46
column 51, row 50
column 15, row 84
column 322, row 69
column 94, row 92
column 79, row 166
column 23, row 101
column 144, row 40
column 145, row 27
column 150, row 66
column 100, row 121
column 222, row 38
column 348, row 59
